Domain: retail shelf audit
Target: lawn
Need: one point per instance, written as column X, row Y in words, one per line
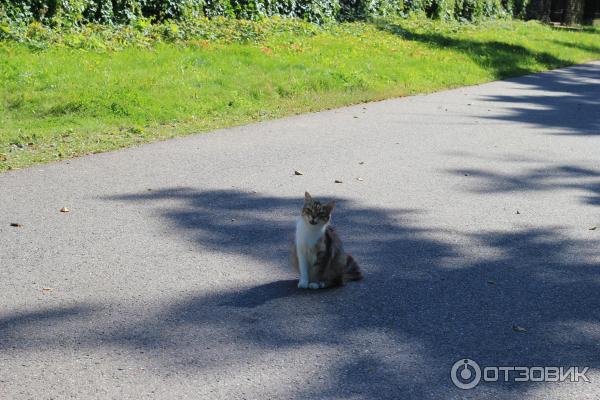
column 60, row 101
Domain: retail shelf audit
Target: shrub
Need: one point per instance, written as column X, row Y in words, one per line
column 441, row 9
column 113, row 12
column 472, row 10
column 353, row 10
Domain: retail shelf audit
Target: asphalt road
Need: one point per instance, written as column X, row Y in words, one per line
column 169, row 277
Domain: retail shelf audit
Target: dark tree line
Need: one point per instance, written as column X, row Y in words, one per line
column 565, row 11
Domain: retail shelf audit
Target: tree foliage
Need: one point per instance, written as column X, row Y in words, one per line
column 77, row 12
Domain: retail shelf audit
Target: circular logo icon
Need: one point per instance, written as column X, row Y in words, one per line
column 465, row 374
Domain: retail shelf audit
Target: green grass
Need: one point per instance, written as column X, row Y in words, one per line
column 60, row 102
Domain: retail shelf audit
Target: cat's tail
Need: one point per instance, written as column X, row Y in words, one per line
column 352, row 271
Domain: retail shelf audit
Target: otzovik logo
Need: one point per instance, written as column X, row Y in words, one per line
column 466, row 374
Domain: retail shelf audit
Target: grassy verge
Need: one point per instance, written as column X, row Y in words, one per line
column 62, row 101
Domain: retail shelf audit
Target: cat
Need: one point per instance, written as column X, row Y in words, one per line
column 317, row 252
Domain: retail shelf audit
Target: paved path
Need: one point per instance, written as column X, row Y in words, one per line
column 169, row 276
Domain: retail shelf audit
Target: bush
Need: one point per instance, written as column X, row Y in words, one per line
column 442, row 9
column 356, row 10
column 479, row 9
column 114, row 12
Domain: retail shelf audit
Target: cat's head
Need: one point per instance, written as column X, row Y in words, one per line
column 315, row 213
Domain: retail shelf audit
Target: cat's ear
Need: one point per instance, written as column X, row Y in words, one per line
column 329, row 206
column 307, row 198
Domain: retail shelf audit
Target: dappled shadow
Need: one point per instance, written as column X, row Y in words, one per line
column 503, row 59
column 566, row 101
column 581, row 46
column 14, row 327
column 426, row 301
column 547, row 178
column 262, row 294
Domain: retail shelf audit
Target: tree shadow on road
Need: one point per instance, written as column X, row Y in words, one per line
column 549, row 178
column 565, row 102
column 426, row 302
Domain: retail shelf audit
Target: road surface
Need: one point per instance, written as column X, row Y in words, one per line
column 473, row 219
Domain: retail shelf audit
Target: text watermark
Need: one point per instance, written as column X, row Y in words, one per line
column 466, row 374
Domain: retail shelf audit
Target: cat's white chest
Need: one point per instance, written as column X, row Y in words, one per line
column 307, row 239
column 310, row 253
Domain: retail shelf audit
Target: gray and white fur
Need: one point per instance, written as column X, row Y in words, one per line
column 317, row 253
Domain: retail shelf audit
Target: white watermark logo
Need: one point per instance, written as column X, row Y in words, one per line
column 466, row 374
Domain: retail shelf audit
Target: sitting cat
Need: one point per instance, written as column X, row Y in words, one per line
column 318, row 253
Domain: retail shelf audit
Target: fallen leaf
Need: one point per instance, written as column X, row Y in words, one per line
column 296, row 172
column 16, row 225
column 592, row 228
column 360, row 179
column 338, row 181
column 519, row 329
column 64, row 210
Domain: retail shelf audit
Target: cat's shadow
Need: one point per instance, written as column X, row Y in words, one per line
column 259, row 295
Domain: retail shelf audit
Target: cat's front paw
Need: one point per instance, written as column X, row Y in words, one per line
column 302, row 284
column 316, row 285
